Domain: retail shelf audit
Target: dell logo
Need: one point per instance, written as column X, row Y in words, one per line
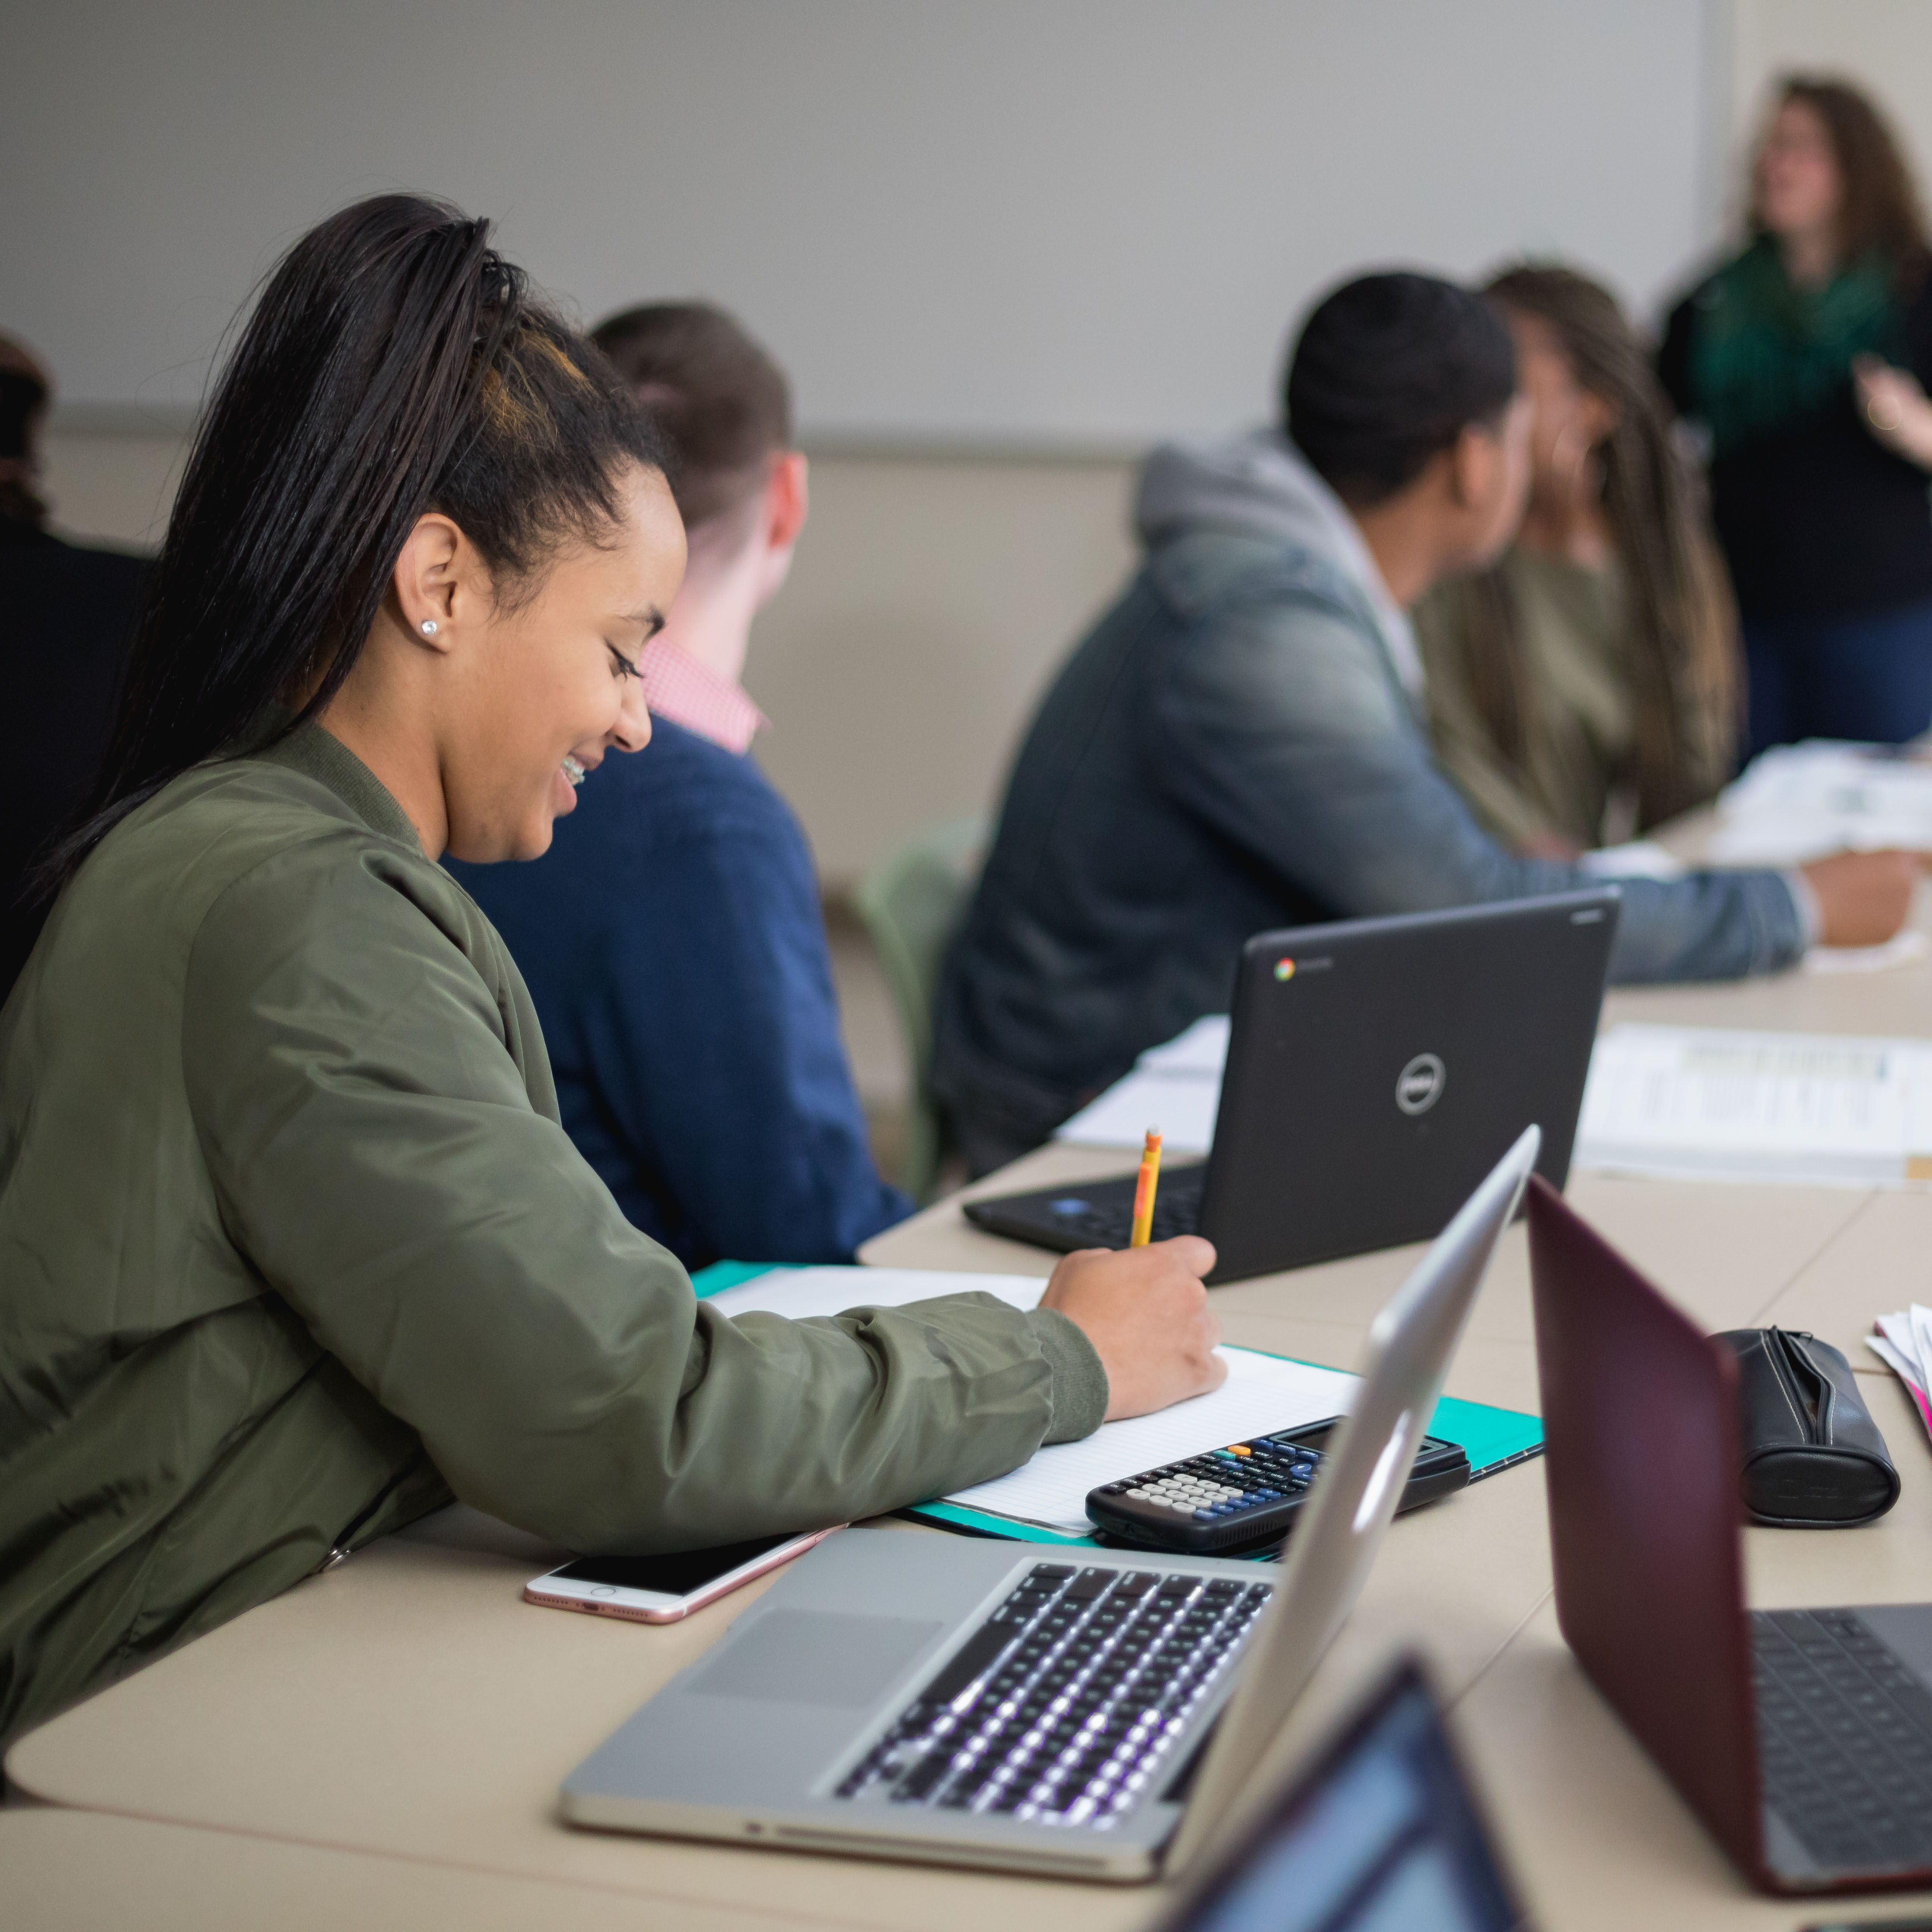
column 1419, row 1084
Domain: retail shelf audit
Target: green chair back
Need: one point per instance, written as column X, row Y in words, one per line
column 911, row 903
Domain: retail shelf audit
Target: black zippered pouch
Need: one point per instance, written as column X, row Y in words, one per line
column 1814, row 1458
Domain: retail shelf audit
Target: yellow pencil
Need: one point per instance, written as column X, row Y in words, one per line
column 1143, row 1188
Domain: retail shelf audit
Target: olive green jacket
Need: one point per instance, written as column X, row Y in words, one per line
column 292, row 1247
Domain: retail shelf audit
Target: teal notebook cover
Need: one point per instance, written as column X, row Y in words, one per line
column 1491, row 1438
column 722, row 1275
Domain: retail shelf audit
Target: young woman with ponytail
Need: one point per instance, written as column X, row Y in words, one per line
column 292, row 1247
column 1586, row 686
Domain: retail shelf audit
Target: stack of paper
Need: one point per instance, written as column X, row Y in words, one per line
column 1176, row 1087
column 1903, row 1343
column 1700, row 1103
column 1796, row 803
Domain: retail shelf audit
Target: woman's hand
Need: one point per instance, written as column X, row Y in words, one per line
column 1146, row 1313
column 1895, row 409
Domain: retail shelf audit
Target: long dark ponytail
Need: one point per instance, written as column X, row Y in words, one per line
column 394, row 364
column 1681, row 625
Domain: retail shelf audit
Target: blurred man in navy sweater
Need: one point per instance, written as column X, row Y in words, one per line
column 67, row 617
column 671, row 936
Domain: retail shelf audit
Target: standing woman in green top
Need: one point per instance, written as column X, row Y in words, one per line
column 1585, row 687
column 1804, row 359
column 292, row 1247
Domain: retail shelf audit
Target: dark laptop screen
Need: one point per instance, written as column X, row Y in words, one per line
column 1382, row 1837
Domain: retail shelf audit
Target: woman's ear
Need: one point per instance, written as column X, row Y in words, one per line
column 431, row 582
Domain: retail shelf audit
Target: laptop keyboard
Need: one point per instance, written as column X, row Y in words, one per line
column 1844, row 1739
column 1060, row 1708
column 1110, row 1223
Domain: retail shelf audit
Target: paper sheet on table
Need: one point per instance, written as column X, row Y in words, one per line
column 1815, row 1108
column 1904, row 1344
column 801, row 1292
column 1641, row 858
column 1182, row 1105
column 1899, row 950
column 1796, row 803
column 1201, row 1050
column 1262, row 1393
column 1175, row 1087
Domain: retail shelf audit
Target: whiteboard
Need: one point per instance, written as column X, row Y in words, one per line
column 1066, row 221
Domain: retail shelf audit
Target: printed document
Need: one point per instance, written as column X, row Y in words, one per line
column 1796, row 803
column 1705, row 1103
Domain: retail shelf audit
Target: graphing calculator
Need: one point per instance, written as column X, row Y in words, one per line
column 1247, row 1493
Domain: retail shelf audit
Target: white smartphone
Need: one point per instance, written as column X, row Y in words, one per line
column 660, row 1589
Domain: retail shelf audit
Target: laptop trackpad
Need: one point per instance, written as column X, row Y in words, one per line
column 1904, row 1628
column 815, row 1657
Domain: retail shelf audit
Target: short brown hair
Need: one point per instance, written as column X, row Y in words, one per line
column 722, row 401
column 1881, row 214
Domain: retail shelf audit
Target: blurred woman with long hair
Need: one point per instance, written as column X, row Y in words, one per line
column 1585, row 688
column 293, row 1245
column 1804, row 359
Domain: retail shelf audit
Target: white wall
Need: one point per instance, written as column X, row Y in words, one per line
column 1015, row 219
column 1072, row 226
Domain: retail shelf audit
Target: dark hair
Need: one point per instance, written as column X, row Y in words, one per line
column 1680, row 627
column 721, row 400
column 1881, row 215
column 1389, row 370
column 23, row 401
column 395, row 365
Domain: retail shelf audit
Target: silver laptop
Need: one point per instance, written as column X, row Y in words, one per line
column 1094, row 1713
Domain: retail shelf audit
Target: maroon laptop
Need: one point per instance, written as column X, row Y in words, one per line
column 1802, row 1738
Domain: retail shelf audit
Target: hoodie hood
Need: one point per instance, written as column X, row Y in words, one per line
column 1261, row 483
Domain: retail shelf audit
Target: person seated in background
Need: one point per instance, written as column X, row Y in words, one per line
column 1586, row 687
column 1804, row 359
column 293, row 1245
column 67, row 616
column 1236, row 746
column 672, row 937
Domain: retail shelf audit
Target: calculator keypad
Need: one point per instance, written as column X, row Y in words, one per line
column 1266, row 1477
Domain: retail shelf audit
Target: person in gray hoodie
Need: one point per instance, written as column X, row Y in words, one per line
column 1237, row 743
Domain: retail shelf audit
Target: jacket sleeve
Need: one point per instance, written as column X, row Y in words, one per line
column 1277, row 723
column 379, row 1162
column 716, row 1043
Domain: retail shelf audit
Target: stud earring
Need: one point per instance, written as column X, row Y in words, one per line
column 428, row 627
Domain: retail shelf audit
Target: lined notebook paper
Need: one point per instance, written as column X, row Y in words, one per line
column 1262, row 1393
column 1046, row 1500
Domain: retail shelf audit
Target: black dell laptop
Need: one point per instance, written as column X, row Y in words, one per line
column 1377, row 1069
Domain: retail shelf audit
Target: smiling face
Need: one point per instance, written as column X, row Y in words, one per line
column 550, row 677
